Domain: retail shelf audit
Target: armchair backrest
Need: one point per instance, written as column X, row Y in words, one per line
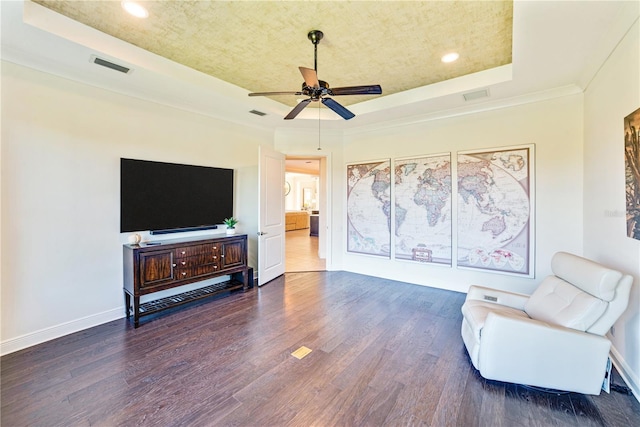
column 582, row 295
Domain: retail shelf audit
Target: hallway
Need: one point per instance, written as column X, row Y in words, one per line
column 302, row 252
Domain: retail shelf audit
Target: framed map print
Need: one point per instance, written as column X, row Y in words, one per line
column 496, row 210
column 422, row 199
column 369, row 208
column 632, row 172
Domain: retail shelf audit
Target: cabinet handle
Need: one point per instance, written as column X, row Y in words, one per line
column 215, row 257
column 184, row 273
column 174, row 265
column 221, row 256
column 215, row 267
column 184, row 262
column 183, row 252
column 215, row 247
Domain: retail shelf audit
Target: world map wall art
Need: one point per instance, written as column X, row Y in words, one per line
column 632, row 172
column 369, row 208
column 495, row 210
column 422, row 195
column 412, row 218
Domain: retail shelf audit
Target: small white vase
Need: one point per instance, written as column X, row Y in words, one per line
column 134, row 239
column 231, row 231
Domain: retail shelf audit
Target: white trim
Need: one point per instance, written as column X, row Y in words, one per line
column 464, row 110
column 47, row 334
column 626, row 373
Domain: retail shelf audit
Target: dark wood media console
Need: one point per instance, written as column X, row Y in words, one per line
column 150, row 268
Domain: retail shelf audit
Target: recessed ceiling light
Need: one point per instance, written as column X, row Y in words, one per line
column 134, row 9
column 450, row 57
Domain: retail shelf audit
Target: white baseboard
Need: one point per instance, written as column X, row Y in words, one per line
column 47, row 334
column 626, row 373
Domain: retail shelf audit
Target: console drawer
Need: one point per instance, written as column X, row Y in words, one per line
column 193, row 250
column 200, row 270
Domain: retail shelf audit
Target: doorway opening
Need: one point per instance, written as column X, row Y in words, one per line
column 305, row 209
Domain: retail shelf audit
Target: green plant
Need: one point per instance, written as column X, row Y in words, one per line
column 230, row 222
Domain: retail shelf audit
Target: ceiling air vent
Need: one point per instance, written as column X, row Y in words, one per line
column 476, row 95
column 258, row 113
column 110, row 64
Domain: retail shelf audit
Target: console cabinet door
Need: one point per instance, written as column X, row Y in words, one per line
column 156, row 268
column 233, row 254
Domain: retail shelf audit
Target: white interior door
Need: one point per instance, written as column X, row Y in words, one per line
column 271, row 238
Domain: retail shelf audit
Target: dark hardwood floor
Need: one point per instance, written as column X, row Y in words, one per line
column 383, row 353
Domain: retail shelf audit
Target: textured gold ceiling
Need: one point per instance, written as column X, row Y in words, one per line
column 258, row 45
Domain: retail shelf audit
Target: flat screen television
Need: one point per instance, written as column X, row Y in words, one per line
column 169, row 197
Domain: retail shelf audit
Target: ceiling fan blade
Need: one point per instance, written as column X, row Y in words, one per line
column 274, row 93
column 357, row 90
column 297, row 109
column 335, row 106
column 310, row 76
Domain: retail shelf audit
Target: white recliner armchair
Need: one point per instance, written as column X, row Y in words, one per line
column 553, row 338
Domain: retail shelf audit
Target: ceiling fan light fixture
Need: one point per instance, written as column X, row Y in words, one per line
column 134, row 9
column 450, row 57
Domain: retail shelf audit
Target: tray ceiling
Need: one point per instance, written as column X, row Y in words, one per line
column 258, row 45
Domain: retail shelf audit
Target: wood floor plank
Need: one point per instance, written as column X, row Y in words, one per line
column 448, row 409
column 384, row 353
column 472, row 405
column 587, row 414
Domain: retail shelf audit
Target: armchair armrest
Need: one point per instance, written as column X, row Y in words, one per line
column 509, row 299
column 527, row 351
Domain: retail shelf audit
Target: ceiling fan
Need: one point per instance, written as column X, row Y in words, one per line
column 319, row 90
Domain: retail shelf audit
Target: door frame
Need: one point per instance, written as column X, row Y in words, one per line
column 324, row 238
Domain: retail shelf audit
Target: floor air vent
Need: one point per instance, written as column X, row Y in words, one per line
column 258, row 113
column 110, row 64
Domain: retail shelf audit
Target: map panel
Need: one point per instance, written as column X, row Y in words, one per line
column 422, row 197
column 369, row 208
column 495, row 210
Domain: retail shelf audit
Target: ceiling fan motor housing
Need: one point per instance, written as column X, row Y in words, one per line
column 315, row 93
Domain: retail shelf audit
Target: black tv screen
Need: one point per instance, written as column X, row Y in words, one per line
column 165, row 197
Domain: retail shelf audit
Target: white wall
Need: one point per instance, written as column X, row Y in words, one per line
column 612, row 95
column 61, row 145
column 554, row 126
column 294, row 201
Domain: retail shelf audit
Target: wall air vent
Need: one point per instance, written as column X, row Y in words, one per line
column 476, row 95
column 110, row 64
column 258, row 113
